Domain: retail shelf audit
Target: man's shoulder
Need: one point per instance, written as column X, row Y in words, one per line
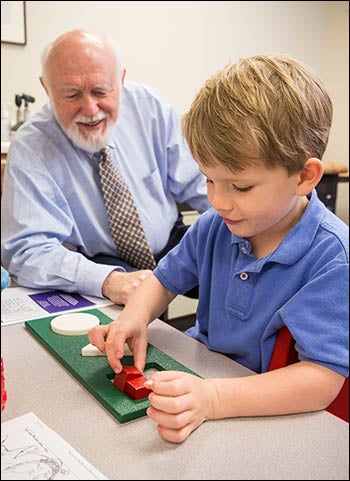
column 42, row 121
column 45, row 114
column 40, row 134
column 140, row 91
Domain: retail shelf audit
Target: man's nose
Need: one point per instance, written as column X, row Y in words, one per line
column 89, row 106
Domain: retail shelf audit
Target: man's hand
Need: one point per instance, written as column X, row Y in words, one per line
column 118, row 286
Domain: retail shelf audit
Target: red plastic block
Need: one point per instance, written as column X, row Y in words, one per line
column 3, row 390
column 135, row 388
column 131, row 381
column 127, row 373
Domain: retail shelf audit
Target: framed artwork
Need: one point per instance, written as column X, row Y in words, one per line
column 13, row 23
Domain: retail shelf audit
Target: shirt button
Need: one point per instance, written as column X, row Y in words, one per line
column 243, row 249
column 244, row 276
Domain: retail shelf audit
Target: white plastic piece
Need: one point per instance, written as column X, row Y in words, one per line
column 74, row 324
column 91, row 350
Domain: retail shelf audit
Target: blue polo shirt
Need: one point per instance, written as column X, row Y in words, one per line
column 244, row 301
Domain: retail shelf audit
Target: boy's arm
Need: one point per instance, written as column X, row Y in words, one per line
column 181, row 402
column 299, row 387
column 146, row 303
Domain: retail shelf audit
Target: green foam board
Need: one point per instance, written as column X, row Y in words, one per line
column 94, row 372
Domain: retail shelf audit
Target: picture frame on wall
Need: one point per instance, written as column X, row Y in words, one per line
column 13, row 23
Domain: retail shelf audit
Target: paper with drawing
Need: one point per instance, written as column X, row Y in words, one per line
column 31, row 450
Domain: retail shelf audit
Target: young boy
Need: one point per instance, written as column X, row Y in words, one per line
column 267, row 254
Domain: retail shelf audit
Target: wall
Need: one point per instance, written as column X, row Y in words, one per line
column 335, row 74
column 176, row 45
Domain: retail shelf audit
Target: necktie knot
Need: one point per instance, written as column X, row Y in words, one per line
column 105, row 154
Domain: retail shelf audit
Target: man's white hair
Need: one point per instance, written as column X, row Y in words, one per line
column 114, row 45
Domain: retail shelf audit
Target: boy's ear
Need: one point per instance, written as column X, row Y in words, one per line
column 310, row 176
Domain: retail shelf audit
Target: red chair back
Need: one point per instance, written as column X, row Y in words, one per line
column 284, row 353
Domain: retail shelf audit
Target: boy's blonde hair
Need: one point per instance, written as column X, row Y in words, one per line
column 263, row 108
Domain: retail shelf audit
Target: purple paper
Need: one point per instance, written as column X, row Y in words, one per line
column 57, row 301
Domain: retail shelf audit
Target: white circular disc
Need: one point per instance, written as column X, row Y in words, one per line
column 74, row 324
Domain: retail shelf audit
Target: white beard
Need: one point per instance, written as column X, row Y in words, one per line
column 96, row 140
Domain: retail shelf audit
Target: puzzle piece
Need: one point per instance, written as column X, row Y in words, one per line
column 127, row 373
column 74, row 324
column 91, row 350
column 135, row 388
column 131, row 381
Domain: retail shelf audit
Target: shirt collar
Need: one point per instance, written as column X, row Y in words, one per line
column 299, row 238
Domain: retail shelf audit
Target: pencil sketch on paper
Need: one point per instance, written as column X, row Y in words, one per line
column 31, row 460
column 31, row 450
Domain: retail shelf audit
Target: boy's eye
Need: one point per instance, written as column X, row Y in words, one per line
column 242, row 189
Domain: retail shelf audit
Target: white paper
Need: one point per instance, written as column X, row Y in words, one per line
column 31, row 450
column 17, row 306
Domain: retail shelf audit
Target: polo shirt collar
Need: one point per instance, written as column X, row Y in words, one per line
column 299, row 239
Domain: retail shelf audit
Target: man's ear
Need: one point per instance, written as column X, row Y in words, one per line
column 43, row 84
column 123, row 76
column 310, row 176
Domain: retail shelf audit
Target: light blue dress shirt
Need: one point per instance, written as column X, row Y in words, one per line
column 244, row 301
column 52, row 204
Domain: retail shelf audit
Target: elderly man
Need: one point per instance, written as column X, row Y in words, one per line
column 57, row 232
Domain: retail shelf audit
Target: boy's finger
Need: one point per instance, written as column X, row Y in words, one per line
column 140, row 350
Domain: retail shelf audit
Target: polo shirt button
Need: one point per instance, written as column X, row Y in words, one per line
column 244, row 276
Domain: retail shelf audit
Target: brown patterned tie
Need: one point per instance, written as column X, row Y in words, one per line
column 124, row 220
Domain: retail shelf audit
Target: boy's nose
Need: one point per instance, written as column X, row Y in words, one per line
column 221, row 202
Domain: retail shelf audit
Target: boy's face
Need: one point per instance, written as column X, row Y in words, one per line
column 258, row 204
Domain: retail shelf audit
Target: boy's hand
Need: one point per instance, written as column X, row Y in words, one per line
column 111, row 338
column 180, row 402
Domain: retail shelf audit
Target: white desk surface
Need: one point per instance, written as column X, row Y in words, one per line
column 306, row 446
